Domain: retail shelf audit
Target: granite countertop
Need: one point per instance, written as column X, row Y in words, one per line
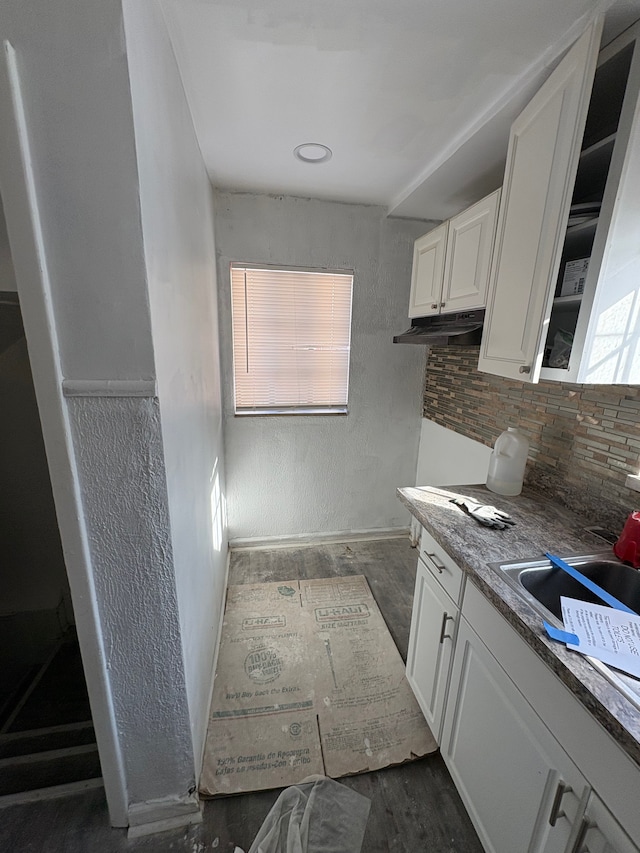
column 541, row 525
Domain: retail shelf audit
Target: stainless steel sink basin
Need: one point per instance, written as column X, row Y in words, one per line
column 542, row 585
column 546, row 585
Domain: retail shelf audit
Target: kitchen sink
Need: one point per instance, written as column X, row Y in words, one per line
column 548, row 584
column 542, row 585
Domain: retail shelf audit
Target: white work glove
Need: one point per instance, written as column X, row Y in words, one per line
column 488, row 516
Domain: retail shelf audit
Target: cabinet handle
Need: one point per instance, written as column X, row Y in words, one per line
column 585, row 826
column 439, row 566
column 435, row 305
column 442, row 304
column 525, row 368
column 561, row 790
column 444, row 636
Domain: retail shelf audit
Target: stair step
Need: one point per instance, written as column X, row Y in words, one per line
column 43, row 740
column 11, row 697
column 46, row 769
column 50, row 793
column 56, row 696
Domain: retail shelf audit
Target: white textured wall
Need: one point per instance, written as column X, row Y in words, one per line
column 76, row 85
column 120, row 458
column 308, row 475
column 177, row 222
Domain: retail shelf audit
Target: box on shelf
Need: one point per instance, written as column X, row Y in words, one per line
column 575, row 274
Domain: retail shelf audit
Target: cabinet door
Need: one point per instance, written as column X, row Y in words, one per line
column 539, row 175
column 433, row 625
column 599, row 832
column 512, row 775
column 428, row 269
column 468, row 257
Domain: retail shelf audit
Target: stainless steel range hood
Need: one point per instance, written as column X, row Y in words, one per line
column 461, row 329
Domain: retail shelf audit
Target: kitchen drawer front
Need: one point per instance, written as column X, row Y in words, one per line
column 441, row 566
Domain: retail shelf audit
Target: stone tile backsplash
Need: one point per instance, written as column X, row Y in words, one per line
column 584, row 439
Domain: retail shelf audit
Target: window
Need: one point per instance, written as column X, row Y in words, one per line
column 291, row 340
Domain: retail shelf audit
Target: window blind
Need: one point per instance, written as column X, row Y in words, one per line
column 291, row 340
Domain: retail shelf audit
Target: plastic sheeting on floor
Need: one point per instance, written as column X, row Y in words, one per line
column 318, row 816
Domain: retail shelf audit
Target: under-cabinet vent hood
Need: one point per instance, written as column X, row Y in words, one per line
column 463, row 329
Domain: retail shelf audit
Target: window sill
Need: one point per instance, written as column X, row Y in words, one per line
column 333, row 410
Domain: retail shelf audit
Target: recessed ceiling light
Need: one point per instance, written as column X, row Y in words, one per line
column 312, row 152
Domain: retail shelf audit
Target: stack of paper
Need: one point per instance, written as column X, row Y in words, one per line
column 605, row 633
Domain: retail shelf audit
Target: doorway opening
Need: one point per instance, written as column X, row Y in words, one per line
column 46, row 733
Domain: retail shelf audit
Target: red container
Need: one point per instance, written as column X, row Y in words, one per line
column 627, row 548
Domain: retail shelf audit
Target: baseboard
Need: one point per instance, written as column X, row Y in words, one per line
column 155, row 812
column 164, row 824
column 305, row 539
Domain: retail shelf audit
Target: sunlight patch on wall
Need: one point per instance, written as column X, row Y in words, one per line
column 218, row 510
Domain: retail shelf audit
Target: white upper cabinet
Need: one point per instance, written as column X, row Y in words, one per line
column 564, row 291
column 451, row 263
column 542, row 159
column 468, row 258
column 427, row 272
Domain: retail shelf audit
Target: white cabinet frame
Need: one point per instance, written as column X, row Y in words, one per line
column 606, row 347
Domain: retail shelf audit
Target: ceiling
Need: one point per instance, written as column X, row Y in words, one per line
column 414, row 97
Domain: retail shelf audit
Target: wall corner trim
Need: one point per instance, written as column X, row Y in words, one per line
column 109, row 388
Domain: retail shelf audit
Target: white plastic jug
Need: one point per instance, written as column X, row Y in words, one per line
column 507, row 462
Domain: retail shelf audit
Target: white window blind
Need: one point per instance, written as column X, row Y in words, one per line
column 291, row 340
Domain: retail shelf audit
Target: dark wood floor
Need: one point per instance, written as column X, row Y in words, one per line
column 414, row 807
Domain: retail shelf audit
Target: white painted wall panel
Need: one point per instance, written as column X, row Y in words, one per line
column 449, row 459
column 309, row 475
column 76, row 87
column 177, row 224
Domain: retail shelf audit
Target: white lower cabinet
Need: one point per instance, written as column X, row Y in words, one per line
column 535, row 771
column 433, row 625
column 599, row 832
column 521, row 790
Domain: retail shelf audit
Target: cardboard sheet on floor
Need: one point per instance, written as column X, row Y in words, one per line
column 309, row 681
